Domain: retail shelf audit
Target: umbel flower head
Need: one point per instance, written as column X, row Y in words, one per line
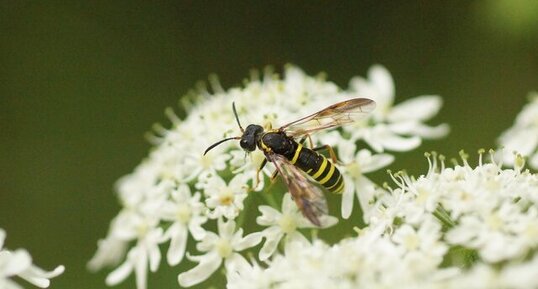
column 457, row 227
column 177, row 194
column 18, row 263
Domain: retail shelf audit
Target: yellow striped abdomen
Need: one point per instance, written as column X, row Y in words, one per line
column 318, row 167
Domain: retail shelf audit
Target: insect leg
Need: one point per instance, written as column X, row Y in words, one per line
column 329, row 149
column 274, row 175
column 310, row 142
column 304, row 138
column 258, row 171
column 323, row 147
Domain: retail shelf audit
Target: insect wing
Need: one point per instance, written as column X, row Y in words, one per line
column 309, row 198
column 336, row 115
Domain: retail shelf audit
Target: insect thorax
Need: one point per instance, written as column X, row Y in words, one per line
column 279, row 143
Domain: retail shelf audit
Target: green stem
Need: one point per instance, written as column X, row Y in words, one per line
column 442, row 215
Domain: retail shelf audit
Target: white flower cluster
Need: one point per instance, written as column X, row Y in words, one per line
column 460, row 227
column 522, row 137
column 18, row 263
column 177, row 193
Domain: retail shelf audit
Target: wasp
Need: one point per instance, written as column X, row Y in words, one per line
column 284, row 147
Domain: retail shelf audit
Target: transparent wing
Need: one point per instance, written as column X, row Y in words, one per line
column 308, row 197
column 336, row 115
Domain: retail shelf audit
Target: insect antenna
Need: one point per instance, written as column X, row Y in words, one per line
column 230, row 138
column 219, row 142
column 236, row 117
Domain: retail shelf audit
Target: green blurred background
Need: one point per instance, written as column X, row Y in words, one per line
column 82, row 82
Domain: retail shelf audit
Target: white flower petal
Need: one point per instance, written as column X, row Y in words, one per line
column 347, row 198
column 38, row 281
column 248, row 241
column 40, row 277
column 273, row 235
column 14, row 262
column 293, row 240
column 154, row 258
column 397, row 143
column 8, row 284
column 195, row 227
column 383, row 82
column 374, row 143
column 208, row 242
column 119, row 274
column 236, row 263
column 226, row 228
column 47, row 274
column 288, row 204
column 432, row 132
column 141, row 270
column 269, row 215
column 524, row 141
column 420, row 108
column 328, row 221
column 375, row 162
column 346, row 151
column 419, row 129
column 110, row 251
column 207, row 266
column 176, row 251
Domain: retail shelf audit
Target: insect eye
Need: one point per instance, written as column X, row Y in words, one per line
column 243, row 143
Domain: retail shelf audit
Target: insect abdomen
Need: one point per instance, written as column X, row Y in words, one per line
column 319, row 168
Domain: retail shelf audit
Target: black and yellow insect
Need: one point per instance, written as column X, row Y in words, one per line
column 292, row 159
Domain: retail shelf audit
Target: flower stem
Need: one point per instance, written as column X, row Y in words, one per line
column 442, row 215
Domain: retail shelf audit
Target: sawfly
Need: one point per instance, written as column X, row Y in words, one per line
column 284, row 147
